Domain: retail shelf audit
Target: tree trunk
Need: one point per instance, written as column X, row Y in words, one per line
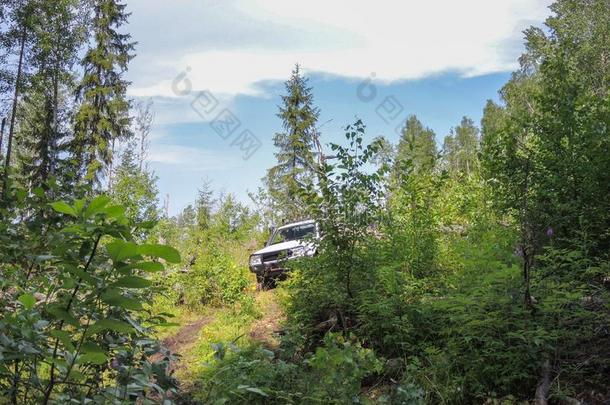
column 2, row 135
column 55, row 125
column 11, row 131
column 111, row 169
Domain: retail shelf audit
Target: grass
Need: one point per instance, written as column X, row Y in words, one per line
column 227, row 325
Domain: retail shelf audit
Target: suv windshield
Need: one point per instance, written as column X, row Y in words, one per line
column 293, row 233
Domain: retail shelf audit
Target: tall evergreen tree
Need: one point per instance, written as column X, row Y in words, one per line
column 103, row 116
column 16, row 40
column 47, row 107
column 296, row 155
column 204, row 205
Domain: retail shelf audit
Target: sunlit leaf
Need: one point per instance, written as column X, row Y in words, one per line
column 27, row 300
column 63, row 208
column 115, row 298
column 120, row 250
column 164, row 252
column 96, row 205
column 111, row 324
column 132, row 282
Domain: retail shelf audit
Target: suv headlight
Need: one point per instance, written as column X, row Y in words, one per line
column 256, row 260
column 298, row 251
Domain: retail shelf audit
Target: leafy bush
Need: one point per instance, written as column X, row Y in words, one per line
column 215, row 246
column 333, row 374
column 74, row 327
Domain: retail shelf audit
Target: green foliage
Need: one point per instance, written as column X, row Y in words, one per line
column 330, row 375
column 546, row 145
column 75, row 328
column 103, row 114
column 416, row 146
column 460, row 149
column 295, row 155
column 346, row 205
column 136, row 190
column 215, row 267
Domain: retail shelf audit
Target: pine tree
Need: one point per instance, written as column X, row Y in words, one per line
column 296, row 146
column 103, row 116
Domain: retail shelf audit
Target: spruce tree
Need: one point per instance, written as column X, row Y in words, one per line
column 16, row 41
column 204, row 205
column 296, row 146
column 47, row 105
column 103, row 115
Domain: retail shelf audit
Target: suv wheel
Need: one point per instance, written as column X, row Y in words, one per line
column 261, row 282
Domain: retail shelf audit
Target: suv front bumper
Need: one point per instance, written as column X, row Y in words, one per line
column 269, row 269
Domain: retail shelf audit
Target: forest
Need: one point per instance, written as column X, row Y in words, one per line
column 472, row 271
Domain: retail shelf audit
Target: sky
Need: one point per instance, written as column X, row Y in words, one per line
column 215, row 71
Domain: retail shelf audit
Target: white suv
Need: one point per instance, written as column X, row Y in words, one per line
column 288, row 242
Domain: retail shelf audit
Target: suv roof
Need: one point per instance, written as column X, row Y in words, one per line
column 290, row 225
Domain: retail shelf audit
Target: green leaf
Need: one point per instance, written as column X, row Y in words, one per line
column 76, row 375
column 165, row 252
column 64, row 338
column 63, row 208
column 63, row 315
column 90, row 347
column 111, row 324
column 92, row 358
column 253, row 389
column 132, row 282
column 97, row 205
column 38, row 192
column 120, row 250
column 167, row 324
column 113, row 297
column 79, row 204
column 82, row 274
column 115, row 211
column 27, row 300
column 151, row 267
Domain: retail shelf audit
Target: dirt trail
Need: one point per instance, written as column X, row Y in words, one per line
column 266, row 329
column 186, row 335
column 263, row 330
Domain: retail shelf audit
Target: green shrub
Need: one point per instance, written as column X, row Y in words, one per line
column 73, row 326
column 333, row 374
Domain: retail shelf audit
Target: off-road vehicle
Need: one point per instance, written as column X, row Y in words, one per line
column 288, row 242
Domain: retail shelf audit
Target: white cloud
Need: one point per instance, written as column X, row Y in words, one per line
column 351, row 38
column 190, row 159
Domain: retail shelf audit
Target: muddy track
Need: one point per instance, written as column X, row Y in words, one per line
column 186, row 336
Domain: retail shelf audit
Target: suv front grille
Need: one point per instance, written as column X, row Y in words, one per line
column 271, row 257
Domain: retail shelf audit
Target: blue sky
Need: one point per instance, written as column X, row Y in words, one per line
column 437, row 59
